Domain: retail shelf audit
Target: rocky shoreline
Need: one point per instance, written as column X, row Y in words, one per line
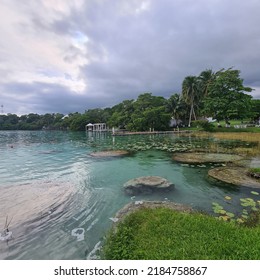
column 138, row 205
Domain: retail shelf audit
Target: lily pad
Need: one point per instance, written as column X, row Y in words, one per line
column 248, row 202
column 230, row 215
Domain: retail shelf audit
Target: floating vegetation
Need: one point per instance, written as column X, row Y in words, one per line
column 240, row 142
column 167, row 147
column 249, row 202
column 205, row 157
column 249, row 215
column 243, row 136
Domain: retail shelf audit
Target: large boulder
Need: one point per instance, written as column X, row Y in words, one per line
column 147, row 184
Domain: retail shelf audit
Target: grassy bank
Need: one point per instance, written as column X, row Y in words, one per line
column 166, row 234
column 235, row 126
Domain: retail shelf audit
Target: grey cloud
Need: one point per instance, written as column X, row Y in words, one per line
column 172, row 40
column 151, row 51
column 44, row 97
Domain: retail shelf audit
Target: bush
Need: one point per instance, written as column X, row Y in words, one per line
column 204, row 124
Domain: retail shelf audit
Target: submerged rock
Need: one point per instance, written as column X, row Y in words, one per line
column 237, row 176
column 112, row 153
column 147, row 184
column 205, row 157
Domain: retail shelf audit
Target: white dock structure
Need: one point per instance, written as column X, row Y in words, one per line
column 97, row 127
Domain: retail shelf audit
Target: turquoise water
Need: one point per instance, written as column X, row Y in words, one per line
column 85, row 192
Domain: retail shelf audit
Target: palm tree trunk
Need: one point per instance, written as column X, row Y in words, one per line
column 194, row 113
column 191, row 109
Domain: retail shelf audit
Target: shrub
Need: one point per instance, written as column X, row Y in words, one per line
column 204, row 124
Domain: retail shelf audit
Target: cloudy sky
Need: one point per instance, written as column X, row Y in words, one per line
column 71, row 55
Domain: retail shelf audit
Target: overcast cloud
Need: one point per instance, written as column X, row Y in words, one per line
column 67, row 56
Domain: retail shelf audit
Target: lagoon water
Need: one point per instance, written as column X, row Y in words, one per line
column 50, row 186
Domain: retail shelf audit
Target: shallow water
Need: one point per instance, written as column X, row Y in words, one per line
column 50, row 185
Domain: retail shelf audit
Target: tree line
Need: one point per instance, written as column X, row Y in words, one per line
column 221, row 95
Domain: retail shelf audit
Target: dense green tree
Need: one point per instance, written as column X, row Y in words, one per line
column 206, row 79
column 226, row 98
column 32, row 118
column 256, row 110
column 94, row 116
column 157, row 118
column 121, row 114
column 148, row 101
column 149, row 113
column 77, row 122
column 177, row 107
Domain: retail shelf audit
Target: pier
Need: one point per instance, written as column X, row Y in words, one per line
column 127, row 133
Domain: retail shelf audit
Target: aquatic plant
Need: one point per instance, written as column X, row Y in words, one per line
column 243, row 136
column 249, row 216
column 166, row 146
column 240, row 142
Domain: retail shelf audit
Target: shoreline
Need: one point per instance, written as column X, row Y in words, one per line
column 142, row 204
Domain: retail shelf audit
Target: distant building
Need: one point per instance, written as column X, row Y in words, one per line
column 175, row 122
column 101, row 127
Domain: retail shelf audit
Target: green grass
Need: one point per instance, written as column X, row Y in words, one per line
column 255, row 170
column 165, row 234
column 226, row 129
column 232, row 129
column 232, row 122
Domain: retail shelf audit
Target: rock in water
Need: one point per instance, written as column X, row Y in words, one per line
column 198, row 158
column 113, row 153
column 147, row 184
column 236, row 176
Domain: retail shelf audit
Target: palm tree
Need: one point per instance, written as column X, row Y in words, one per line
column 206, row 78
column 176, row 107
column 191, row 94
